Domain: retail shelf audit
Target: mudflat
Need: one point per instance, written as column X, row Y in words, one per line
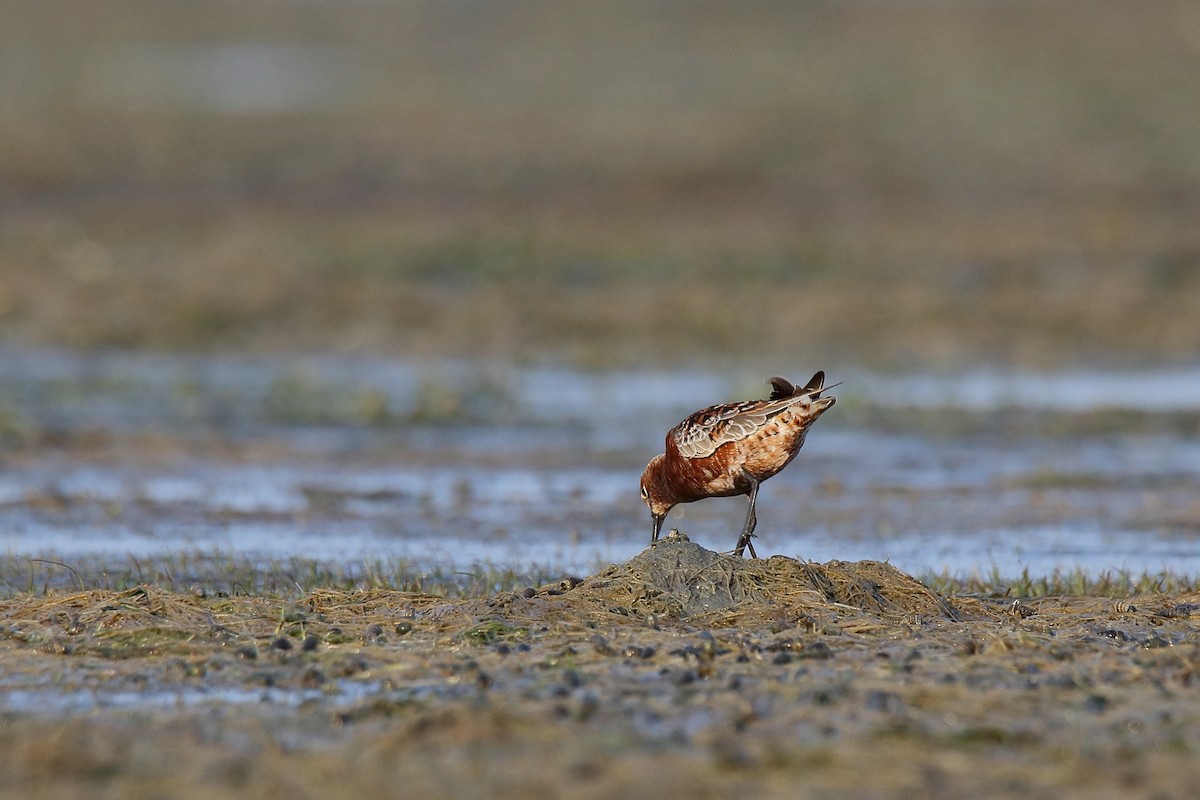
column 679, row 672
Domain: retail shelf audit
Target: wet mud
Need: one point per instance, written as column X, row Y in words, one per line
column 679, row 671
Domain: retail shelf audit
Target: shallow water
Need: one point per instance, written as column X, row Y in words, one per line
column 448, row 465
column 56, row 697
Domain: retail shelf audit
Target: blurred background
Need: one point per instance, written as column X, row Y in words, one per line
column 427, row 281
column 894, row 185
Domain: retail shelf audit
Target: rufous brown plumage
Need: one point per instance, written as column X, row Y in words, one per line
column 730, row 449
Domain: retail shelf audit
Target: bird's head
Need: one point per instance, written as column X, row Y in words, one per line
column 656, row 493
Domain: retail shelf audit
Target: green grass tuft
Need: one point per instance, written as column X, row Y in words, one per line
column 1110, row 583
column 215, row 572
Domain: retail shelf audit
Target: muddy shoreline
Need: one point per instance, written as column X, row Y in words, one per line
column 662, row 675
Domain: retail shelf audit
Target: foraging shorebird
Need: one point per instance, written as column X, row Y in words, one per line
column 730, row 449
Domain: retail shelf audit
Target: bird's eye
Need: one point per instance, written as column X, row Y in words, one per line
column 645, row 494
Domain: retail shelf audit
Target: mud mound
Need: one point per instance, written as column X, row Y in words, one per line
column 680, row 579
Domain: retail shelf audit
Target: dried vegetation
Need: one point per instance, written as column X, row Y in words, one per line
column 682, row 670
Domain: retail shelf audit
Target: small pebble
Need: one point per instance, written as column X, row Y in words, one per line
column 601, row 646
column 588, row 705
column 633, row 651
column 816, row 650
column 281, row 643
column 403, row 627
column 879, row 700
column 685, row 677
column 352, row 667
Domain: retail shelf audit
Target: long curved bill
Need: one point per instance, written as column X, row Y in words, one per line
column 657, row 526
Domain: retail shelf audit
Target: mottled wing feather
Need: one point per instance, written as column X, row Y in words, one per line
column 692, row 441
column 701, row 434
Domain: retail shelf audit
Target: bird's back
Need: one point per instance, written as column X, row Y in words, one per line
column 712, row 447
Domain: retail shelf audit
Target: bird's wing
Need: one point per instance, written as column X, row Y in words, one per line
column 703, row 432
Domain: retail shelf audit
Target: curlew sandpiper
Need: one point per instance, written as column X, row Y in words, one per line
column 730, row 449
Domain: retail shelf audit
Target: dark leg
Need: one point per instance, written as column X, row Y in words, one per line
column 751, row 520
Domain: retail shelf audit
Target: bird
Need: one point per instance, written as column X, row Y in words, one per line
column 727, row 450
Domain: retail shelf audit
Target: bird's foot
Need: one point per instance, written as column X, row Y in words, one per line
column 744, row 542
